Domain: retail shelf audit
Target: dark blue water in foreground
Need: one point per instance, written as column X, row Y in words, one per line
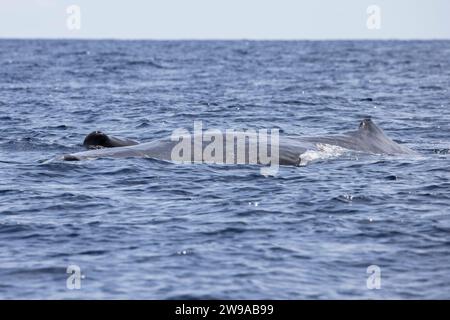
column 142, row 228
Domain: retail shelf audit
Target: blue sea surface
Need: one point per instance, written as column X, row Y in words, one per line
column 149, row 229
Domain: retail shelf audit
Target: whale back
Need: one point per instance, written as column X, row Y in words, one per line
column 367, row 138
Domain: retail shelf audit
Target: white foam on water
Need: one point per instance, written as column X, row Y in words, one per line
column 324, row 151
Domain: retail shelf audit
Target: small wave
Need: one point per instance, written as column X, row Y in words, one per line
column 94, row 252
column 441, row 151
column 242, row 52
column 295, row 102
column 324, row 151
column 350, row 198
column 144, row 124
column 32, row 144
column 34, row 271
column 148, row 63
column 9, row 228
column 431, row 88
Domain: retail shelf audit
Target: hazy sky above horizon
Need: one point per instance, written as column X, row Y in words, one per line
column 226, row 19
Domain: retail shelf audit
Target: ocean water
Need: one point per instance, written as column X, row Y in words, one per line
column 149, row 229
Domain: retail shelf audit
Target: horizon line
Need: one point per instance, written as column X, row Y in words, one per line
column 220, row 39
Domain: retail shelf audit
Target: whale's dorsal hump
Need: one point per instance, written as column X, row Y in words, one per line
column 367, row 126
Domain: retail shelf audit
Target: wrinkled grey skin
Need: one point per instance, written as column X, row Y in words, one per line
column 368, row 138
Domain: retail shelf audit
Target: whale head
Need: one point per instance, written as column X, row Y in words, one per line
column 96, row 140
column 99, row 140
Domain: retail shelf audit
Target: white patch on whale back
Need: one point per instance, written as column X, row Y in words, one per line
column 324, row 151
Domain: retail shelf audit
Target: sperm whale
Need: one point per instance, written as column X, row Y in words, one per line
column 368, row 138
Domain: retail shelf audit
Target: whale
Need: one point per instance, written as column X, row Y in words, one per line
column 289, row 150
column 99, row 140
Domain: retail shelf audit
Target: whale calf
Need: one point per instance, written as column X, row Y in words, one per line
column 368, row 138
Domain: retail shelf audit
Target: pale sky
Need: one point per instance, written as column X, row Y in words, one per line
column 226, row 19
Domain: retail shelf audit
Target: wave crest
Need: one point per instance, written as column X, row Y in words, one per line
column 324, row 151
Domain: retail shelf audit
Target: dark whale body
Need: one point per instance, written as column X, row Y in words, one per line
column 368, row 138
column 98, row 140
